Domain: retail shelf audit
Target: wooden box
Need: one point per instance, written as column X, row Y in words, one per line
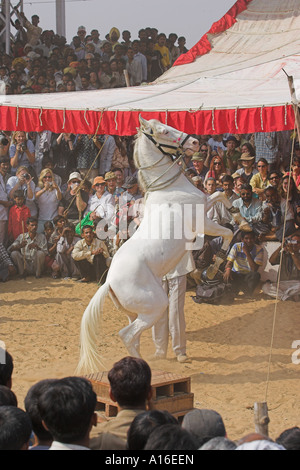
column 171, row 392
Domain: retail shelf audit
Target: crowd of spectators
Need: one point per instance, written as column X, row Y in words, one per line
column 60, row 414
column 41, row 61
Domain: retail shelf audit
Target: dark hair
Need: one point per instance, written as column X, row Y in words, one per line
column 31, row 220
column 262, row 160
column 19, row 193
column 130, row 381
column 6, row 367
column 31, row 406
column 244, row 233
column 57, row 218
column 143, row 424
column 67, row 407
column 171, row 437
column 250, row 148
column 48, row 224
column 15, row 428
column 247, row 187
column 227, row 179
column 290, row 438
column 7, row 397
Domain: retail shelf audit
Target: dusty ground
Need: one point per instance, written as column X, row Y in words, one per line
column 229, row 347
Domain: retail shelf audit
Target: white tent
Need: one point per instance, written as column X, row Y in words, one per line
column 233, row 80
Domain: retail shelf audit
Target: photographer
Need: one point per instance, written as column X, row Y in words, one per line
column 289, row 283
column 23, row 180
column 47, row 196
column 22, row 152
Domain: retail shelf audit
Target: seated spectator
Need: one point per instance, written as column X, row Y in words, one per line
column 43, row 438
column 23, row 181
column 274, row 214
column 6, row 368
column 74, row 201
column 251, row 209
column 296, row 172
column 198, row 160
column 289, row 438
column 290, row 263
column 216, row 170
column 47, row 196
column 143, row 424
column 7, row 397
column 67, row 410
column 210, row 186
column 91, row 256
column 7, row 268
column 260, row 180
column 171, row 437
column 18, row 216
column 242, row 265
column 130, row 387
column 219, row 213
column 219, row 443
column 132, row 192
column 28, row 251
column 204, row 425
column 288, row 191
column 64, row 263
column 15, row 428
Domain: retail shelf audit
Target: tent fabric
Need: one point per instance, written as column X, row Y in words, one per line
column 235, row 82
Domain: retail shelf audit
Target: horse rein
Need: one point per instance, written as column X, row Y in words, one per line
column 162, row 146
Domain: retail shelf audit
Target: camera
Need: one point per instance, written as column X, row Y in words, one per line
column 291, row 242
column 27, row 176
column 23, row 147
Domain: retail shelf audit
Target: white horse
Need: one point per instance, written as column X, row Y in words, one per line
column 171, row 221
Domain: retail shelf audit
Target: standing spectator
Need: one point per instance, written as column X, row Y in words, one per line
column 141, row 58
column 22, row 152
column 86, row 153
column 33, row 30
column 63, row 156
column 47, row 195
column 24, row 181
column 154, row 65
column 75, row 200
column 134, row 68
column 107, row 145
column 266, row 146
column 162, row 48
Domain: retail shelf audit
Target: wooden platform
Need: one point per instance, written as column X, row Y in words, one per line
column 171, row 392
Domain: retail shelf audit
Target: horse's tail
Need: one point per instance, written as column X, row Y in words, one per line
column 90, row 360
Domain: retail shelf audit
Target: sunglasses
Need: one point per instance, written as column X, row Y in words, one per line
column 100, row 184
column 261, row 166
column 217, row 163
column 47, row 177
column 274, row 178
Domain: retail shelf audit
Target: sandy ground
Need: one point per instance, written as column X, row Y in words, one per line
column 229, row 347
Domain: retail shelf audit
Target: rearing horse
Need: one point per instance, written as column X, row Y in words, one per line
column 134, row 279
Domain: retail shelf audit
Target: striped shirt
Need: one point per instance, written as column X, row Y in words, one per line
column 239, row 258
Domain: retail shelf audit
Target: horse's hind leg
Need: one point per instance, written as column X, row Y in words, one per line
column 131, row 334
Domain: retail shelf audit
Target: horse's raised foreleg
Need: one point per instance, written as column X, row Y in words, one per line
column 220, row 196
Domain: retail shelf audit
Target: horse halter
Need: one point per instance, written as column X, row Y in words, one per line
column 162, row 146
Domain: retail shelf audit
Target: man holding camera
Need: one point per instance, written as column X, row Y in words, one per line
column 290, row 263
column 23, row 180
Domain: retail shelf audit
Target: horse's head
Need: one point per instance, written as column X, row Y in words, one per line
column 166, row 138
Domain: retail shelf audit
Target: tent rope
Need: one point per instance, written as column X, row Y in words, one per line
column 279, row 269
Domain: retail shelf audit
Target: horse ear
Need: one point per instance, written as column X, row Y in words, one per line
column 144, row 125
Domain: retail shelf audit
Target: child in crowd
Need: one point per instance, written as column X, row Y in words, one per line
column 18, row 215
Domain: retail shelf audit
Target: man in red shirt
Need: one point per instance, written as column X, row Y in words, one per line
column 17, row 217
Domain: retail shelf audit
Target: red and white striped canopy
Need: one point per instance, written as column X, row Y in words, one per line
column 233, row 80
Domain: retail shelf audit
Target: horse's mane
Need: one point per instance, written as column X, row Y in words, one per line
column 141, row 180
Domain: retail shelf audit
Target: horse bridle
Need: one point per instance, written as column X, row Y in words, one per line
column 162, row 146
